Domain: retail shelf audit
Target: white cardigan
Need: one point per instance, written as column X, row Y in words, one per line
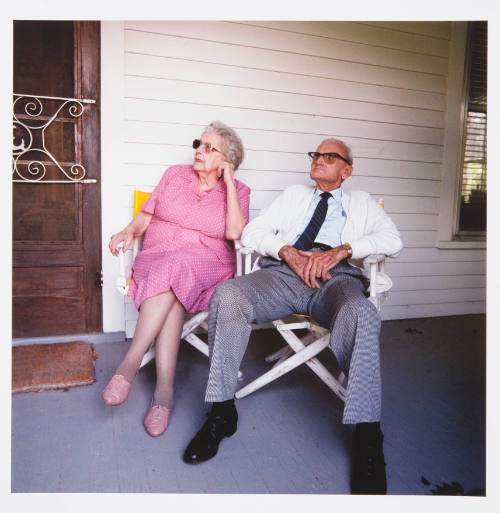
column 368, row 229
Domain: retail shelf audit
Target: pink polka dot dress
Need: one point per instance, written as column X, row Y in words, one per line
column 184, row 248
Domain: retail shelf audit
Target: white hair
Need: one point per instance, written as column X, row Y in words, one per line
column 232, row 147
column 348, row 150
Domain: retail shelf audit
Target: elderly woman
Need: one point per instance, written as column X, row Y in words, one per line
column 188, row 220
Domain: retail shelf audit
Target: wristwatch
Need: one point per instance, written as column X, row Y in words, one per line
column 348, row 247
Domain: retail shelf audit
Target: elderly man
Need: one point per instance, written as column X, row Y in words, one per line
column 312, row 241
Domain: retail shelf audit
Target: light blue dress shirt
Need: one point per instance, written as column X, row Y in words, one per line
column 331, row 229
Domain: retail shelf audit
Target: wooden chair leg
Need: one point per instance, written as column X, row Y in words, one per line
column 284, row 367
column 287, row 351
column 297, row 344
column 278, row 355
column 305, row 348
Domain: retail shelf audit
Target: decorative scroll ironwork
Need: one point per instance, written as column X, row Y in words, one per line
column 30, row 124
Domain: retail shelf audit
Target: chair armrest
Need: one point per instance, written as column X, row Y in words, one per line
column 374, row 267
column 374, row 259
column 125, row 274
column 243, row 265
column 121, row 280
column 244, row 250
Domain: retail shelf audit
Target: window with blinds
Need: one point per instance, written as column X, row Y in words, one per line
column 472, row 218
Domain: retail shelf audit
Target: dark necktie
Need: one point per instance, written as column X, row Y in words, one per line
column 305, row 241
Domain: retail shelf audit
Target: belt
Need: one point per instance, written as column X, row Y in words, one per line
column 323, row 247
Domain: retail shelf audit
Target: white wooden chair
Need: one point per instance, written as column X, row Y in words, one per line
column 304, row 350
column 197, row 323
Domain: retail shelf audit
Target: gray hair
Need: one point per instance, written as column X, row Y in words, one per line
column 347, row 148
column 232, row 147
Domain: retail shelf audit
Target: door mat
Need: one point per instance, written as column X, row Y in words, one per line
column 40, row 367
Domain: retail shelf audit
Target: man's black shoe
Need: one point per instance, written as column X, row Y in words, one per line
column 369, row 466
column 206, row 442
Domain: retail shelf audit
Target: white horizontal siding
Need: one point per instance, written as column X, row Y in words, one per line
column 436, row 30
column 368, row 146
column 168, row 68
column 169, row 90
column 286, row 85
column 417, row 270
column 272, row 39
column 432, row 283
column 256, row 119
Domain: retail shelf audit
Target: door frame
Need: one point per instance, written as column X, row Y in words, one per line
column 87, row 49
column 90, row 55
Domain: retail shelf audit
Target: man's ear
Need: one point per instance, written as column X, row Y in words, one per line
column 347, row 172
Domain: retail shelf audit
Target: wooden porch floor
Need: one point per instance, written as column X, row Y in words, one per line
column 290, row 439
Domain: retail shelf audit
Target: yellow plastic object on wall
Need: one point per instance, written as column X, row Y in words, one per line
column 140, row 198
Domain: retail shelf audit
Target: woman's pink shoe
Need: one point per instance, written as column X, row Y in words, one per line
column 156, row 420
column 116, row 390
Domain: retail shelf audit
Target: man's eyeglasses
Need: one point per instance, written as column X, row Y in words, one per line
column 329, row 157
column 205, row 147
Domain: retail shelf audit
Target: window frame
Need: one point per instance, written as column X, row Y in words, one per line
column 448, row 235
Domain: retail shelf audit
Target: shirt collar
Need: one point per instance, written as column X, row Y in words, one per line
column 336, row 193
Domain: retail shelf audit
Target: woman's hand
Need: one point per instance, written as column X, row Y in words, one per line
column 135, row 228
column 124, row 236
column 235, row 220
column 226, row 171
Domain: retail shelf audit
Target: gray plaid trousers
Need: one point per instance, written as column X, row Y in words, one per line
column 274, row 292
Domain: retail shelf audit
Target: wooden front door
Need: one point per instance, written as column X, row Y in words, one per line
column 56, row 218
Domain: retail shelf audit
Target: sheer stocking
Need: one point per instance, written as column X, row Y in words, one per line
column 167, row 346
column 152, row 315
